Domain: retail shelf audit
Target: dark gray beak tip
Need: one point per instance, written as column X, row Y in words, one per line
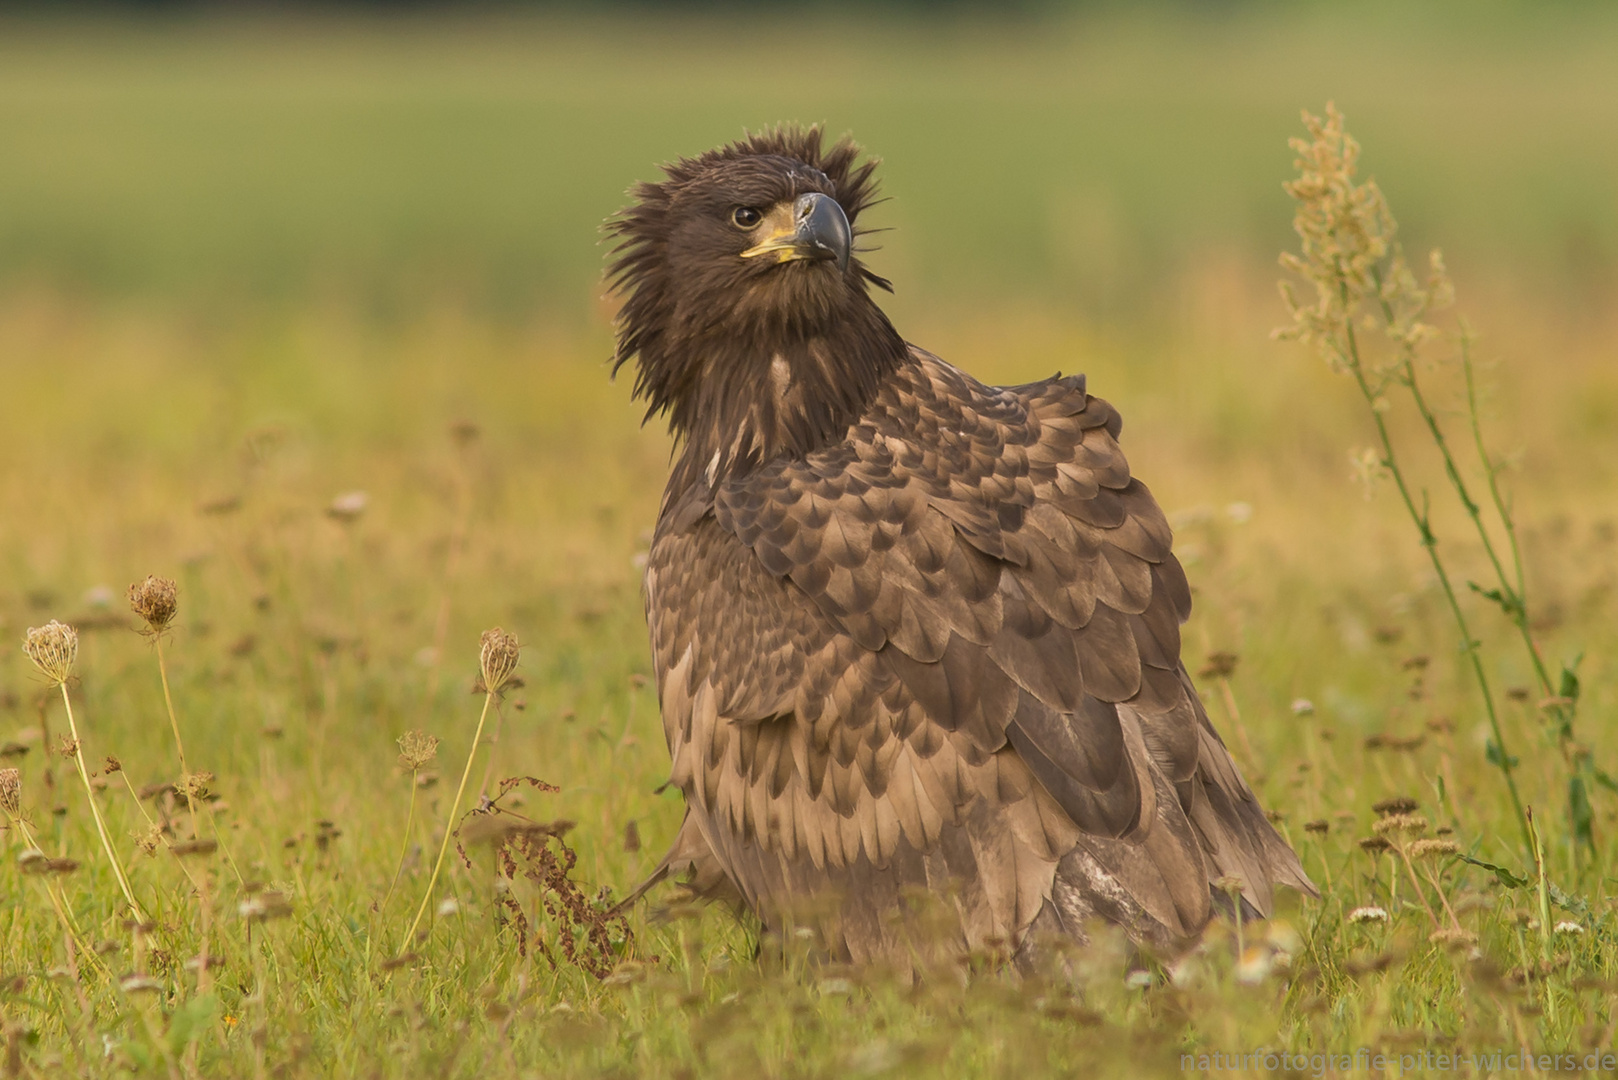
column 823, row 226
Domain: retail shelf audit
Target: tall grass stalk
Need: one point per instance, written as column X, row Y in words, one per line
column 497, row 660
column 54, row 648
column 1360, row 277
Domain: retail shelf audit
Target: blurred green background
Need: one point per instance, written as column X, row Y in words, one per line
column 1071, row 156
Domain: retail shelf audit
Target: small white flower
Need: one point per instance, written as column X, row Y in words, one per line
column 348, row 506
column 1370, row 913
column 1255, row 965
column 1568, row 926
column 1302, row 707
column 448, row 906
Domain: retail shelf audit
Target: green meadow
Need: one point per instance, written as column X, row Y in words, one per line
column 305, row 314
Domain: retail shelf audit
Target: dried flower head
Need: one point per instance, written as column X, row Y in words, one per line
column 417, row 748
column 11, row 792
column 1414, row 824
column 199, row 846
column 1367, row 914
column 1348, row 253
column 263, row 906
column 53, row 648
column 112, row 765
column 498, row 659
column 1319, row 825
column 195, row 785
column 1568, row 927
column 149, row 841
column 155, row 600
column 139, row 984
column 1430, row 848
column 1375, row 844
column 1398, row 804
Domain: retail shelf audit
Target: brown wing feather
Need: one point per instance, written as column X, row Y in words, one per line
column 945, row 653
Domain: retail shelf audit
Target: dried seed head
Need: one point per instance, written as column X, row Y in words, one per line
column 155, row 601
column 112, row 765
column 498, row 659
column 263, row 906
column 1319, row 825
column 11, row 792
column 1414, row 824
column 1375, row 844
column 1368, row 914
column 139, row 984
column 1230, row 884
column 1398, row 804
column 195, row 785
column 149, row 840
column 417, row 748
column 53, row 648
column 1425, row 848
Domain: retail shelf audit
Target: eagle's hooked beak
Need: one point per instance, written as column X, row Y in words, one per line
column 813, row 227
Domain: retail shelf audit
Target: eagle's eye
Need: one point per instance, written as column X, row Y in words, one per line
column 745, row 217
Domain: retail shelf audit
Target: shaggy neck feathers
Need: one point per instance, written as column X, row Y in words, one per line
column 748, row 401
column 747, row 361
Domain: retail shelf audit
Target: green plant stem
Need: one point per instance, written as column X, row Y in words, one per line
column 449, row 823
column 1538, row 852
column 404, row 848
column 1519, row 595
column 1430, row 543
column 95, row 810
column 1512, row 587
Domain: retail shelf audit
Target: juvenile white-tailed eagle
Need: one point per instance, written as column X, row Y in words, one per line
column 910, row 632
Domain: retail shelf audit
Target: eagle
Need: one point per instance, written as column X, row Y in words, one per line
column 913, row 636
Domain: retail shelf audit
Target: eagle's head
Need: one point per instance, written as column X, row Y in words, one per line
column 739, row 271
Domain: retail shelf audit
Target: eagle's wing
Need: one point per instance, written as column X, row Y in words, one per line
column 945, row 653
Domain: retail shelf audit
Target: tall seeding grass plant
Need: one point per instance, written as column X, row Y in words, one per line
column 1370, row 318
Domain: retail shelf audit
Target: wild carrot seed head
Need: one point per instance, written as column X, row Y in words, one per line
column 498, row 659
column 155, row 600
column 417, row 748
column 11, row 792
column 53, row 648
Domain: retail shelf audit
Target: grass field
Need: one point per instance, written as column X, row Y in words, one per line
column 249, row 267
